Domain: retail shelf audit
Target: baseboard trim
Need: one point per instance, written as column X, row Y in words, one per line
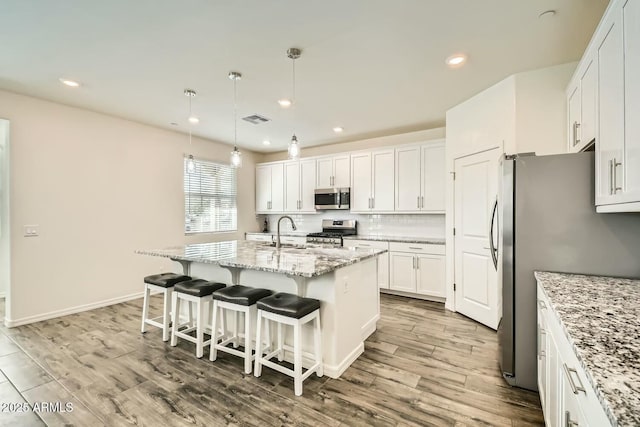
column 334, row 371
column 11, row 323
column 412, row 295
column 370, row 327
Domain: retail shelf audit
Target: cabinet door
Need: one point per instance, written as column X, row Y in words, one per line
column 263, row 188
column 341, row 171
column 631, row 14
column 402, row 271
column 325, row 173
column 543, row 361
column 570, row 411
column 430, row 275
column 291, row 186
column 361, row 182
column 433, row 178
column 573, row 103
column 277, row 187
column 407, row 179
column 307, row 185
column 609, row 150
column 554, row 386
column 383, row 177
column 588, row 88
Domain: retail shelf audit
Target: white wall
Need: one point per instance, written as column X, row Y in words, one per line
column 4, row 207
column 99, row 187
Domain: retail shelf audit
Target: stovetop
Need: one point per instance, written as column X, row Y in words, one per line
column 330, row 234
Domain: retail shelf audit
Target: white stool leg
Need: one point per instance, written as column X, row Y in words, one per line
column 297, row 359
column 200, row 329
column 258, row 363
column 175, row 307
column 191, row 320
column 236, row 316
column 166, row 318
column 317, row 338
column 213, row 352
column 280, row 343
column 247, row 341
column 267, row 335
column 145, row 308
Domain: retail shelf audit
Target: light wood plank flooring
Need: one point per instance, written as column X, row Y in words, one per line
column 423, row 366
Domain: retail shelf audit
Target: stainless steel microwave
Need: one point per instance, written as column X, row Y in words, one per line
column 332, row 198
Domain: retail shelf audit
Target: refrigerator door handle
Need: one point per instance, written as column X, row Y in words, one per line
column 494, row 249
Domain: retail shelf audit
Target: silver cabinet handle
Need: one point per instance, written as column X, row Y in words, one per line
column 615, row 175
column 413, row 261
column 575, row 133
column 568, row 422
column 541, row 352
column 574, row 388
column 422, row 201
column 542, row 305
column 373, row 203
column 417, row 263
column 418, row 202
column 415, row 248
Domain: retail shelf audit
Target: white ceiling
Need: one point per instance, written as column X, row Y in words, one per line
column 375, row 67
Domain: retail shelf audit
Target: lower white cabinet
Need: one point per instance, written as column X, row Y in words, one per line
column 567, row 397
column 292, row 240
column 258, row 237
column 417, row 268
column 383, row 260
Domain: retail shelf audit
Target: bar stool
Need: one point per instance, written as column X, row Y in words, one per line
column 289, row 309
column 162, row 283
column 238, row 299
column 196, row 291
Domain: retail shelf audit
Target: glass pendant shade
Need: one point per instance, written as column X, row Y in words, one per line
column 236, row 158
column 191, row 164
column 294, row 148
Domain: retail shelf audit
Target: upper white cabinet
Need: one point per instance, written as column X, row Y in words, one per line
column 270, row 188
column 420, row 178
column 372, row 181
column 608, row 77
column 299, row 186
column 333, row 172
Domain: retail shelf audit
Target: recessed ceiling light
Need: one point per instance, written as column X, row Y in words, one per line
column 266, row 142
column 456, row 60
column 194, row 120
column 70, row 83
column 284, row 103
column 338, row 129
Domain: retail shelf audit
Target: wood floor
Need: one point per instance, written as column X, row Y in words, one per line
column 423, row 366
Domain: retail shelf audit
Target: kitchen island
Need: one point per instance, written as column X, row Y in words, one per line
column 343, row 279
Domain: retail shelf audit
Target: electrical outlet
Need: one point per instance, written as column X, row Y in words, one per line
column 345, row 285
column 31, row 230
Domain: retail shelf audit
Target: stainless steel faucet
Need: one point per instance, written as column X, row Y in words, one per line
column 293, row 225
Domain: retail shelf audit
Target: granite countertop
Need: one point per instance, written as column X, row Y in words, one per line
column 282, row 233
column 601, row 318
column 399, row 239
column 292, row 261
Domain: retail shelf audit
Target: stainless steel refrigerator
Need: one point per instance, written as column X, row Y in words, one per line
column 546, row 220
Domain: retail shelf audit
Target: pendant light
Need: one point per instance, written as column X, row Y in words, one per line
column 191, row 164
column 236, row 155
column 294, row 147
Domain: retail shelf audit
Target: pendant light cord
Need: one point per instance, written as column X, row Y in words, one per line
column 190, row 124
column 235, row 115
column 294, row 94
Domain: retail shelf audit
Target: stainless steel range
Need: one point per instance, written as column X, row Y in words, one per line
column 332, row 232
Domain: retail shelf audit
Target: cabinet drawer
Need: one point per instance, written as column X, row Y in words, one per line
column 293, row 240
column 417, row 248
column 349, row 243
column 260, row 237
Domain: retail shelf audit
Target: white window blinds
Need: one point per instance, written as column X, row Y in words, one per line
column 209, row 198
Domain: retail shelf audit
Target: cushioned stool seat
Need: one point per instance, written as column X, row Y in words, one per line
column 241, row 295
column 288, row 305
column 165, row 280
column 198, row 287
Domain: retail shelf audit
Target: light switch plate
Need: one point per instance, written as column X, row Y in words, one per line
column 31, row 230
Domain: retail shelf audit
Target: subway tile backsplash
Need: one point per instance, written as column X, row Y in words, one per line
column 397, row 225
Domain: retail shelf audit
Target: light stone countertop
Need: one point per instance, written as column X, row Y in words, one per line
column 292, row 261
column 600, row 316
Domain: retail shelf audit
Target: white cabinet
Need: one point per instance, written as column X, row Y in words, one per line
column 408, row 166
column 270, row 188
column 333, row 172
column 383, row 260
column 299, row 186
column 420, row 178
column 292, row 240
column 417, row 268
column 565, row 393
column 573, row 114
column 631, row 17
column 259, row 237
column 372, row 181
column 582, row 107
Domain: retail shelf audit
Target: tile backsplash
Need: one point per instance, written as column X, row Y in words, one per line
column 402, row 225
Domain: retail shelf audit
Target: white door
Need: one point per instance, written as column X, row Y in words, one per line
column 325, row 173
column 263, row 188
column 402, row 271
column 433, row 178
column 291, row 186
column 476, row 279
column 277, row 187
column 430, row 275
column 307, row 185
column 383, row 177
column 341, row 169
column 361, row 182
column 408, row 179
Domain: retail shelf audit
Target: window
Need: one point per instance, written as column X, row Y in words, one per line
column 209, row 198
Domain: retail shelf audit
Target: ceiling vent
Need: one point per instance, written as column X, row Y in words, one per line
column 256, row 119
